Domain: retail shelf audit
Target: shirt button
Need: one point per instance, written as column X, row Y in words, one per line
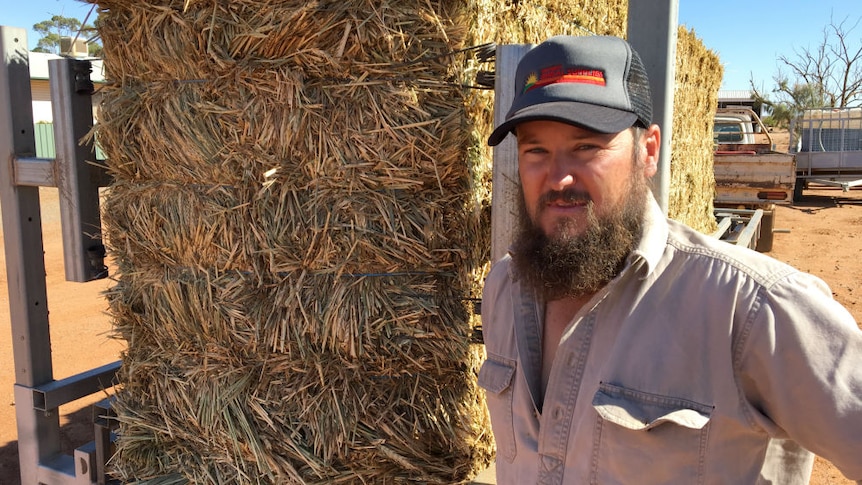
column 549, row 463
column 558, row 413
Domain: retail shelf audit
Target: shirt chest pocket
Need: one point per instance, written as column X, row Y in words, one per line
column 641, row 435
column 496, row 376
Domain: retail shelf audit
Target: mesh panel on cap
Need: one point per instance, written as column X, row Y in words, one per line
column 639, row 92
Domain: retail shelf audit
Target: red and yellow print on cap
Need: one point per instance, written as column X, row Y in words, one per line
column 556, row 74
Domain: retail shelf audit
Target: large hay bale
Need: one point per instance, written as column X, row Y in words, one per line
column 692, row 181
column 299, row 218
column 298, row 237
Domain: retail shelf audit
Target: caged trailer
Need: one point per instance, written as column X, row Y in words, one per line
column 827, row 143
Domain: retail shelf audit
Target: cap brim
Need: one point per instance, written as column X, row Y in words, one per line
column 592, row 117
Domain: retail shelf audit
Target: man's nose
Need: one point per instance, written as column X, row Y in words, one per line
column 562, row 175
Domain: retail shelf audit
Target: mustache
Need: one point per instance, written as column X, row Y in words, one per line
column 566, row 196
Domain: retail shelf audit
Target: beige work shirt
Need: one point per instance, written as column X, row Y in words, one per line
column 701, row 363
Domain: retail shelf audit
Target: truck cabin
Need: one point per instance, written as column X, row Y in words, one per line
column 734, row 132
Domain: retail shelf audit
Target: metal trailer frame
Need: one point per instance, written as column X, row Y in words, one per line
column 37, row 394
column 821, row 163
column 742, row 227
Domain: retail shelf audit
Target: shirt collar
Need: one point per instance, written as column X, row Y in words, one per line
column 650, row 249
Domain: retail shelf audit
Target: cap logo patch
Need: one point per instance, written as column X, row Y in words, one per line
column 556, row 74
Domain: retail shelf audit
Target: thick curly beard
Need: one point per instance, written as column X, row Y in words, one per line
column 572, row 265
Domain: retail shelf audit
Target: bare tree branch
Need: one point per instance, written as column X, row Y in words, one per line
column 827, row 75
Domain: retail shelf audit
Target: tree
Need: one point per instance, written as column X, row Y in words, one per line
column 830, row 75
column 53, row 30
column 794, row 99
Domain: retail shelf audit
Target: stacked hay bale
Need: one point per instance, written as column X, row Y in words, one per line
column 299, row 219
column 692, row 181
column 296, row 235
column 531, row 22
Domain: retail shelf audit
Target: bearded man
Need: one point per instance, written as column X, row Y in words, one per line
column 626, row 348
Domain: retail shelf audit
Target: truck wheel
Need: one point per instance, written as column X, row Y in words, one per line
column 798, row 187
column 767, row 224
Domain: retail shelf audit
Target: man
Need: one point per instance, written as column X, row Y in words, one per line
column 626, row 348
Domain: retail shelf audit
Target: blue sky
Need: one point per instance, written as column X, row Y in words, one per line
column 25, row 13
column 748, row 35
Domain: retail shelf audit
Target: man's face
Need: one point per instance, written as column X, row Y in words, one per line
column 564, row 167
column 584, row 197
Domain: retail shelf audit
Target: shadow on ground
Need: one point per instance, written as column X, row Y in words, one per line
column 826, row 198
column 77, row 430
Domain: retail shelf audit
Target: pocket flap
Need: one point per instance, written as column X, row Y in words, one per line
column 637, row 410
column 495, row 376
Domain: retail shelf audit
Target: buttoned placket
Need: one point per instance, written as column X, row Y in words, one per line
column 564, row 385
column 563, row 388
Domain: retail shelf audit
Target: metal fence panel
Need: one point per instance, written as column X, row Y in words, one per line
column 827, row 130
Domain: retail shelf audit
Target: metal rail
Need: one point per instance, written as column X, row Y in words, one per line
column 739, row 226
column 828, row 147
column 37, row 394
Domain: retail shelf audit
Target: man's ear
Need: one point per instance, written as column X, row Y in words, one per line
column 649, row 145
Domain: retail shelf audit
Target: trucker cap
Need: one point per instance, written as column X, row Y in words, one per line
column 596, row 82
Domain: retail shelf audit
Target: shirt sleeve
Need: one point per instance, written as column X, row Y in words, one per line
column 799, row 366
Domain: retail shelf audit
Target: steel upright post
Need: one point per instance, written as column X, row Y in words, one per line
column 71, row 101
column 38, row 432
column 505, row 180
column 652, row 31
